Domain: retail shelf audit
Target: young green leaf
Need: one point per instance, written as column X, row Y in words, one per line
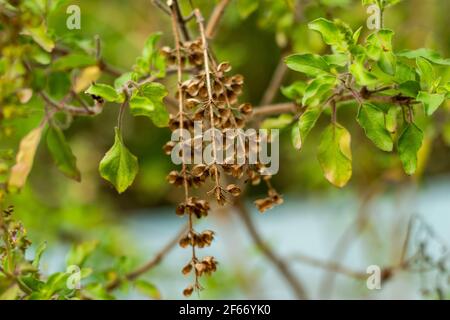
column 428, row 54
column 426, row 73
column 37, row 256
column 409, row 144
column 279, row 122
column 79, row 253
column 147, row 288
column 105, row 91
column 310, row 64
column 335, row 156
column 295, row 91
column 72, row 61
column 148, row 101
column 119, row 166
column 372, row 120
column 306, row 122
column 379, row 48
column 332, row 34
column 362, row 76
column 62, row 154
column 40, row 36
column 318, row 90
column 430, row 101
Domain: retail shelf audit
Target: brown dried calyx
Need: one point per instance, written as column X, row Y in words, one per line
column 210, row 96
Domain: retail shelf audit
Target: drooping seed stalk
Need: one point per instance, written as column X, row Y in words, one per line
column 181, row 119
column 200, row 21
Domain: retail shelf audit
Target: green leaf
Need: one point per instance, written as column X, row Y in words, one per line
column 295, row 91
column 247, row 7
column 148, row 101
column 336, row 59
column 404, row 73
column 79, row 253
column 428, row 54
column 409, row 144
column 147, row 288
column 40, row 36
column 279, row 122
column 318, row 90
column 37, row 256
column 73, row 61
column 305, row 123
column 409, row 88
column 362, row 75
column 333, row 33
column 335, row 156
column 58, row 84
column 122, row 80
column 372, row 120
column 430, row 101
column 310, row 64
column 62, row 154
column 119, row 166
column 105, row 91
column 426, row 73
column 379, row 48
column 151, row 61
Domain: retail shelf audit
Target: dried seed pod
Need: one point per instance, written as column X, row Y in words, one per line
column 224, row 67
column 188, row 291
column 234, row 190
column 246, row 109
column 200, row 268
column 175, row 178
column 199, row 170
column 237, row 79
column 185, row 241
column 187, row 269
column 168, row 147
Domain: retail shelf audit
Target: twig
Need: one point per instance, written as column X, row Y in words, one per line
column 85, row 111
column 279, row 263
column 349, row 236
column 287, row 107
column 181, row 22
column 162, row 6
column 330, row 266
column 275, row 82
column 150, row 264
column 215, row 18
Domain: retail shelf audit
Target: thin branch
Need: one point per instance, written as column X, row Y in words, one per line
column 330, row 266
column 280, row 264
column 275, row 82
column 162, row 6
column 287, row 107
column 181, row 21
column 150, row 264
column 215, row 18
column 76, row 111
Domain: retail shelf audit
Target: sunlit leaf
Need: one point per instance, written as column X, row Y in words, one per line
column 409, row 144
column 24, row 159
column 335, row 156
column 372, row 120
column 119, row 166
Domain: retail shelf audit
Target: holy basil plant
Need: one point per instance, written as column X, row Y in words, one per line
column 391, row 91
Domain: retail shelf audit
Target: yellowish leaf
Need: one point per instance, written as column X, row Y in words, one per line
column 24, row 159
column 86, row 77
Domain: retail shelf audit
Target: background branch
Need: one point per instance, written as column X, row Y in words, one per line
column 215, row 18
column 280, row 264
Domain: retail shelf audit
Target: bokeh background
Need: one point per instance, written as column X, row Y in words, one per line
column 315, row 218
